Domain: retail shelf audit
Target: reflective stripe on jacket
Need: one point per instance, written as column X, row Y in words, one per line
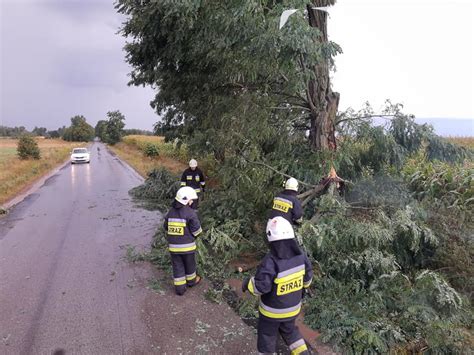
column 182, row 225
column 287, row 205
column 280, row 283
column 194, row 179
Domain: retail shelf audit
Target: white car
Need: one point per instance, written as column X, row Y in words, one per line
column 80, row 155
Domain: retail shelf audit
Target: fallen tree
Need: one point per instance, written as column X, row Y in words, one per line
column 241, row 93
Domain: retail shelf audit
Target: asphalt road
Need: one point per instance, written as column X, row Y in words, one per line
column 65, row 286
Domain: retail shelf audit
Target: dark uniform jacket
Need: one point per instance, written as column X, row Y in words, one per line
column 194, row 179
column 280, row 279
column 182, row 226
column 287, row 205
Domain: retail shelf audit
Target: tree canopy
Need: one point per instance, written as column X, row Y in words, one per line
column 114, row 126
column 111, row 130
column 214, row 62
column 79, row 131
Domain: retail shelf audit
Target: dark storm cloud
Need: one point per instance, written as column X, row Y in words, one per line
column 80, row 10
column 61, row 58
column 97, row 68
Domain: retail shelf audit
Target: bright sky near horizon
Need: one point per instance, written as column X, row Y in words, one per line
column 418, row 52
column 59, row 58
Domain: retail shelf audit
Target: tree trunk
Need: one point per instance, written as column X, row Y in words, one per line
column 322, row 100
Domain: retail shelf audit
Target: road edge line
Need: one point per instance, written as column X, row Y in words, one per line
column 125, row 164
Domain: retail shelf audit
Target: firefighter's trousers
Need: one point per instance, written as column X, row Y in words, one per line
column 268, row 336
column 184, row 271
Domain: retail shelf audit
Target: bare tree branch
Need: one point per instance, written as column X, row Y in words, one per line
column 277, row 171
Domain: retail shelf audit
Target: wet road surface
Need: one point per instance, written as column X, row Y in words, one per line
column 66, row 286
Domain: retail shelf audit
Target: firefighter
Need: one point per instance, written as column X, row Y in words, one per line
column 287, row 205
column 283, row 275
column 193, row 177
column 182, row 227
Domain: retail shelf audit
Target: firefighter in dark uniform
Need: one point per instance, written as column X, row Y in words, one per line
column 182, row 227
column 193, row 177
column 279, row 281
column 287, row 205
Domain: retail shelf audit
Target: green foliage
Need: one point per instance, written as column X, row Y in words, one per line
column 442, row 183
column 247, row 308
column 384, row 191
column 28, row 148
column 174, row 150
column 159, row 188
column 455, row 258
column 375, row 247
column 210, row 58
column 114, row 127
column 230, row 89
column 156, row 286
column 101, row 130
column 151, row 150
column 396, row 312
column 218, row 245
column 13, row 132
column 133, row 256
column 371, row 268
column 54, row 134
column 79, row 131
column 368, row 147
column 214, row 295
column 40, row 131
column 159, row 254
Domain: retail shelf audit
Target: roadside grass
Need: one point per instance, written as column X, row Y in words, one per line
column 17, row 175
column 467, row 142
column 156, row 286
column 133, row 256
column 131, row 150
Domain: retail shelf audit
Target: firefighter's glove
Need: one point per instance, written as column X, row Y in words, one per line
column 245, row 284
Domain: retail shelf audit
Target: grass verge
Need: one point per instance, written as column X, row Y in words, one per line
column 131, row 150
column 17, row 175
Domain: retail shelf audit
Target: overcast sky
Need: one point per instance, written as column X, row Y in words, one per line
column 60, row 58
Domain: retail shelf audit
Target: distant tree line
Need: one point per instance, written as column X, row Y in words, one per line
column 16, row 132
column 109, row 131
column 12, row 131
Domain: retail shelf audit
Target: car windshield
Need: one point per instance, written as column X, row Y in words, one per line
column 79, row 151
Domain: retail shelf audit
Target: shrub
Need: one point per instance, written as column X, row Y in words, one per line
column 151, row 150
column 28, row 148
column 442, row 183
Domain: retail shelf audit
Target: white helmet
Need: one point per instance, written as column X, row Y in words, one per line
column 291, row 184
column 185, row 194
column 279, row 228
column 193, row 163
